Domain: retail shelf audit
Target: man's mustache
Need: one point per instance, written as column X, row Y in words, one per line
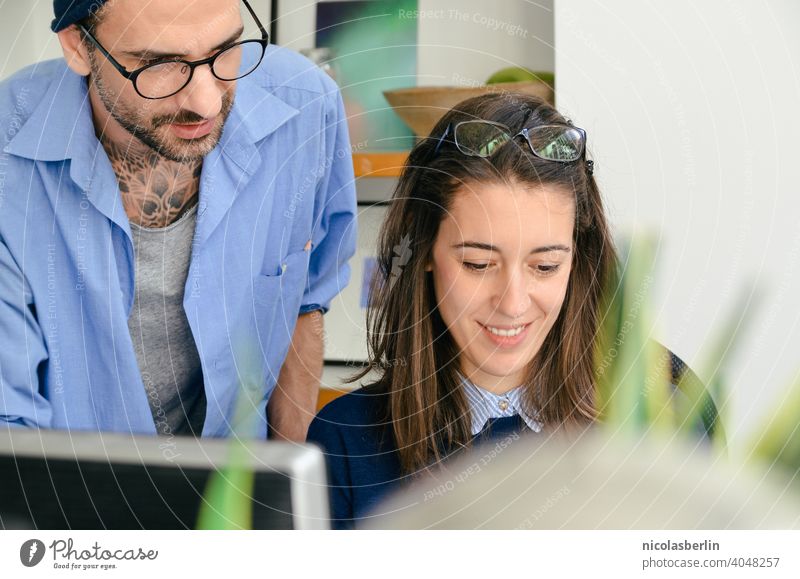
column 182, row 117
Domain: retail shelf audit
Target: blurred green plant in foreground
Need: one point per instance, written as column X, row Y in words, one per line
column 778, row 440
column 635, row 392
column 639, row 387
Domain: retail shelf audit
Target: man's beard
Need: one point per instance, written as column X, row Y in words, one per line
column 185, row 151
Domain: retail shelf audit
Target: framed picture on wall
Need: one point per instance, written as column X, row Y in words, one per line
column 368, row 47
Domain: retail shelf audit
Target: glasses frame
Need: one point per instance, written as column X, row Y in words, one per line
column 132, row 75
column 525, row 132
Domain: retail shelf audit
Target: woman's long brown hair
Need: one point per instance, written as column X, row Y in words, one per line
column 411, row 350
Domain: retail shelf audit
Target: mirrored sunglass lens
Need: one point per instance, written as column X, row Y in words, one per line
column 480, row 139
column 557, row 143
column 163, row 79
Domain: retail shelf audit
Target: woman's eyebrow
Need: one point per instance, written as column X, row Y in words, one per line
column 475, row 245
column 148, row 54
column 549, row 248
column 490, row 247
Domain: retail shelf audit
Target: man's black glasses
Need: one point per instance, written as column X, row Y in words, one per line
column 164, row 78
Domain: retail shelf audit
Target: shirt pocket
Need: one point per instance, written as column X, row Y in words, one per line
column 277, row 296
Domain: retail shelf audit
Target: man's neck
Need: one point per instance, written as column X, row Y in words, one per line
column 155, row 191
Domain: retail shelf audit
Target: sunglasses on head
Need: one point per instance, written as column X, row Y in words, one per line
column 478, row 138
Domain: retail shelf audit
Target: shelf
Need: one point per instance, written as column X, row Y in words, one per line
column 379, row 164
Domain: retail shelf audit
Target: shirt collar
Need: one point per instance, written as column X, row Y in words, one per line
column 485, row 405
column 60, row 126
column 256, row 113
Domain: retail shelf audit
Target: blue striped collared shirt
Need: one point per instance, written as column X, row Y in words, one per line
column 486, row 405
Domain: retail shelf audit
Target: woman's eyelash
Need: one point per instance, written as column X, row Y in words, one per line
column 476, row 266
column 541, row 269
column 545, row 269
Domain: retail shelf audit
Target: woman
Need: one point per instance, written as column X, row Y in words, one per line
column 492, row 261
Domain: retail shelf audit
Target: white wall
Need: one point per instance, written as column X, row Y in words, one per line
column 692, row 114
column 25, row 35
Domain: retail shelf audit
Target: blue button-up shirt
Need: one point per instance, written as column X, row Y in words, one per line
column 280, row 177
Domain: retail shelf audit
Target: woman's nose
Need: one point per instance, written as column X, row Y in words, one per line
column 513, row 297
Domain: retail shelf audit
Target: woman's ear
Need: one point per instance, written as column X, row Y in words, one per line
column 74, row 50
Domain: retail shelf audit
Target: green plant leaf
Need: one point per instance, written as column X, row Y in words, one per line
column 228, row 497
column 778, row 438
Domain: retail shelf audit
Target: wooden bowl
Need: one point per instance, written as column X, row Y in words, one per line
column 421, row 107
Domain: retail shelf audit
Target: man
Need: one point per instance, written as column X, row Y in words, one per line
column 176, row 211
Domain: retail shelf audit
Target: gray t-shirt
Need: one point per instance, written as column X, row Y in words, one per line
column 162, row 339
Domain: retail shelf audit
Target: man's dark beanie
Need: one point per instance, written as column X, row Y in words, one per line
column 71, row 11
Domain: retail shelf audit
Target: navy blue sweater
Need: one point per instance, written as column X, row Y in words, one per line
column 363, row 466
